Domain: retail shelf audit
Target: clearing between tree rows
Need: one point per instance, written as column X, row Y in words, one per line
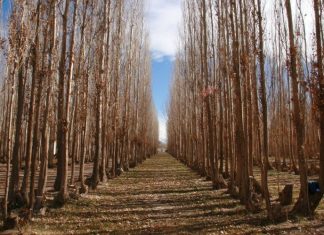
column 163, row 196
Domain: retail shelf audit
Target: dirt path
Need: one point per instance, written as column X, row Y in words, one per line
column 160, row 196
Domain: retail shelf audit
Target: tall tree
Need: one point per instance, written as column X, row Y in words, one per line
column 302, row 206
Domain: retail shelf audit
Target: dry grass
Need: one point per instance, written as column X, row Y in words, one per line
column 162, row 196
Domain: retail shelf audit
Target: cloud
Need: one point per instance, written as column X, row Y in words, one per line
column 308, row 17
column 163, row 19
column 162, row 128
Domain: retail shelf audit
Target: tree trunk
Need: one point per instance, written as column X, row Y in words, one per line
column 302, row 205
column 62, row 127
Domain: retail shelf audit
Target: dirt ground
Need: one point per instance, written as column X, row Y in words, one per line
column 162, row 196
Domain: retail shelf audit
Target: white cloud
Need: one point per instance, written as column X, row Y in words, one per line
column 163, row 18
column 308, row 17
column 162, row 128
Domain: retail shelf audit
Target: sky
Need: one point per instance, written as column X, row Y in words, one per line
column 163, row 18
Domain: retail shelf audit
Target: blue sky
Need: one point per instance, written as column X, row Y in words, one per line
column 163, row 18
column 161, row 74
column 161, row 77
column 5, row 12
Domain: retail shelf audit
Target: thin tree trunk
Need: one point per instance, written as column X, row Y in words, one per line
column 302, row 205
column 62, row 127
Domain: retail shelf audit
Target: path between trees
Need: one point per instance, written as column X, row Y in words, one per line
column 160, row 196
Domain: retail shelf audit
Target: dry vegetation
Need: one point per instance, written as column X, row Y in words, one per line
column 76, row 89
column 243, row 94
column 163, row 196
column 246, row 113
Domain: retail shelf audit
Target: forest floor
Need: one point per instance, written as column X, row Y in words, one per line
column 162, row 196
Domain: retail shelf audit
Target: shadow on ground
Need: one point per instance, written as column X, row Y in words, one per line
column 162, row 196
